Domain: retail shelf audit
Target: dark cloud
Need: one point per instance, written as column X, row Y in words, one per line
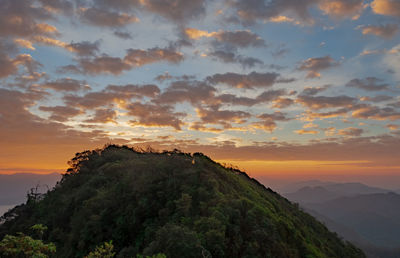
column 10, row 66
column 315, row 65
column 378, row 98
column 232, row 57
column 178, row 11
column 113, row 94
column 58, row 6
column 247, row 81
column 194, row 92
column 114, row 65
column 22, row 18
column 251, row 11
column 283, row 102
column 376, row 113
column 311, row 91
column 134, row 91
column 351, row 131
column 61, row 113
column 84, row 48
column 139, row 57
column 123, row 35
column 66, row 84
column 225, row 118
column 268, row 121
column 240, row 38
column 368, row 84
column 103, row 115
column 106, row 18
column 151, row 115
column 321, row 102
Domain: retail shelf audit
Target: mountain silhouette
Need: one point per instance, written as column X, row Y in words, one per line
column 170, row 202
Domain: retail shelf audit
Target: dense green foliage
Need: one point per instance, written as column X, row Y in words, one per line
column 23, row 246
column 173, row 203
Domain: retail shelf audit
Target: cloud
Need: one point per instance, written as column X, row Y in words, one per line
column 376, row 113
column 283, row 102
column 303, row 131
column 239, row 38
column 151, row 115
column 113, row 94
column 61, row 113
column 178, row 11
column 392, row 127
column 194, row 92
column 386, row 31
column 65, row 84
column 23, row 19
column 312, row 91
column 123, row 35
column 268, row 121
column 84, row 48
column 368, row 84
column 378, row 98
column 340, row 9
column 351, row 131
column 134, row 91
column 246, row 81
column 386, row 7
column 325, row 115
column 315, row 65
column 103, row 115
column 224, row 118
column 10, row 66
column 105, row 18
column 321, row 102
column 114, row 65
column 231, row 57
column 248, row 12
column 139, row 57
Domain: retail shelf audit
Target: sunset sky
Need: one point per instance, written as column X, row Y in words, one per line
column 282, row 88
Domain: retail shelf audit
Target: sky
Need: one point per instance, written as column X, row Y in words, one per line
column 279, row 88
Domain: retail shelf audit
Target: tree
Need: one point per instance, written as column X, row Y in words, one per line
column 103, row 251
column 22, row 245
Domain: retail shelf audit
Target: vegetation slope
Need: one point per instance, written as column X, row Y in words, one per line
column 174, row 203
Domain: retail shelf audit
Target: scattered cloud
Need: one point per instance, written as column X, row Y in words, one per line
column 386, row 7
column 368, row 84
column 351, row 131
column 386, row 31
column 314, row 65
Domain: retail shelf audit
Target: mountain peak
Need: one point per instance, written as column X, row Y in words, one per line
column 175, row 203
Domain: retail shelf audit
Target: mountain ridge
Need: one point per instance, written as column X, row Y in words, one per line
column 175, row 203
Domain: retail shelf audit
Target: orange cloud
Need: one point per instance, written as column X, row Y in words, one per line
column 385, row 31
column 386, row 7
column 340, row 9
column 302, row 131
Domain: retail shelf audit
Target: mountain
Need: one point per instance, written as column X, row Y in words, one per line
column 367, row 216
column 324, row 191
column 14, row 188
column 311, row 194
column 376, row 217
column 347, row 189
column 174, row 203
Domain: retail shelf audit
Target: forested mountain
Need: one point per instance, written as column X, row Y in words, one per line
column 174, row 203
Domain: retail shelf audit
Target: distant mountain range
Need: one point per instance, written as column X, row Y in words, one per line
column 365, row 215
column 13, row 188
